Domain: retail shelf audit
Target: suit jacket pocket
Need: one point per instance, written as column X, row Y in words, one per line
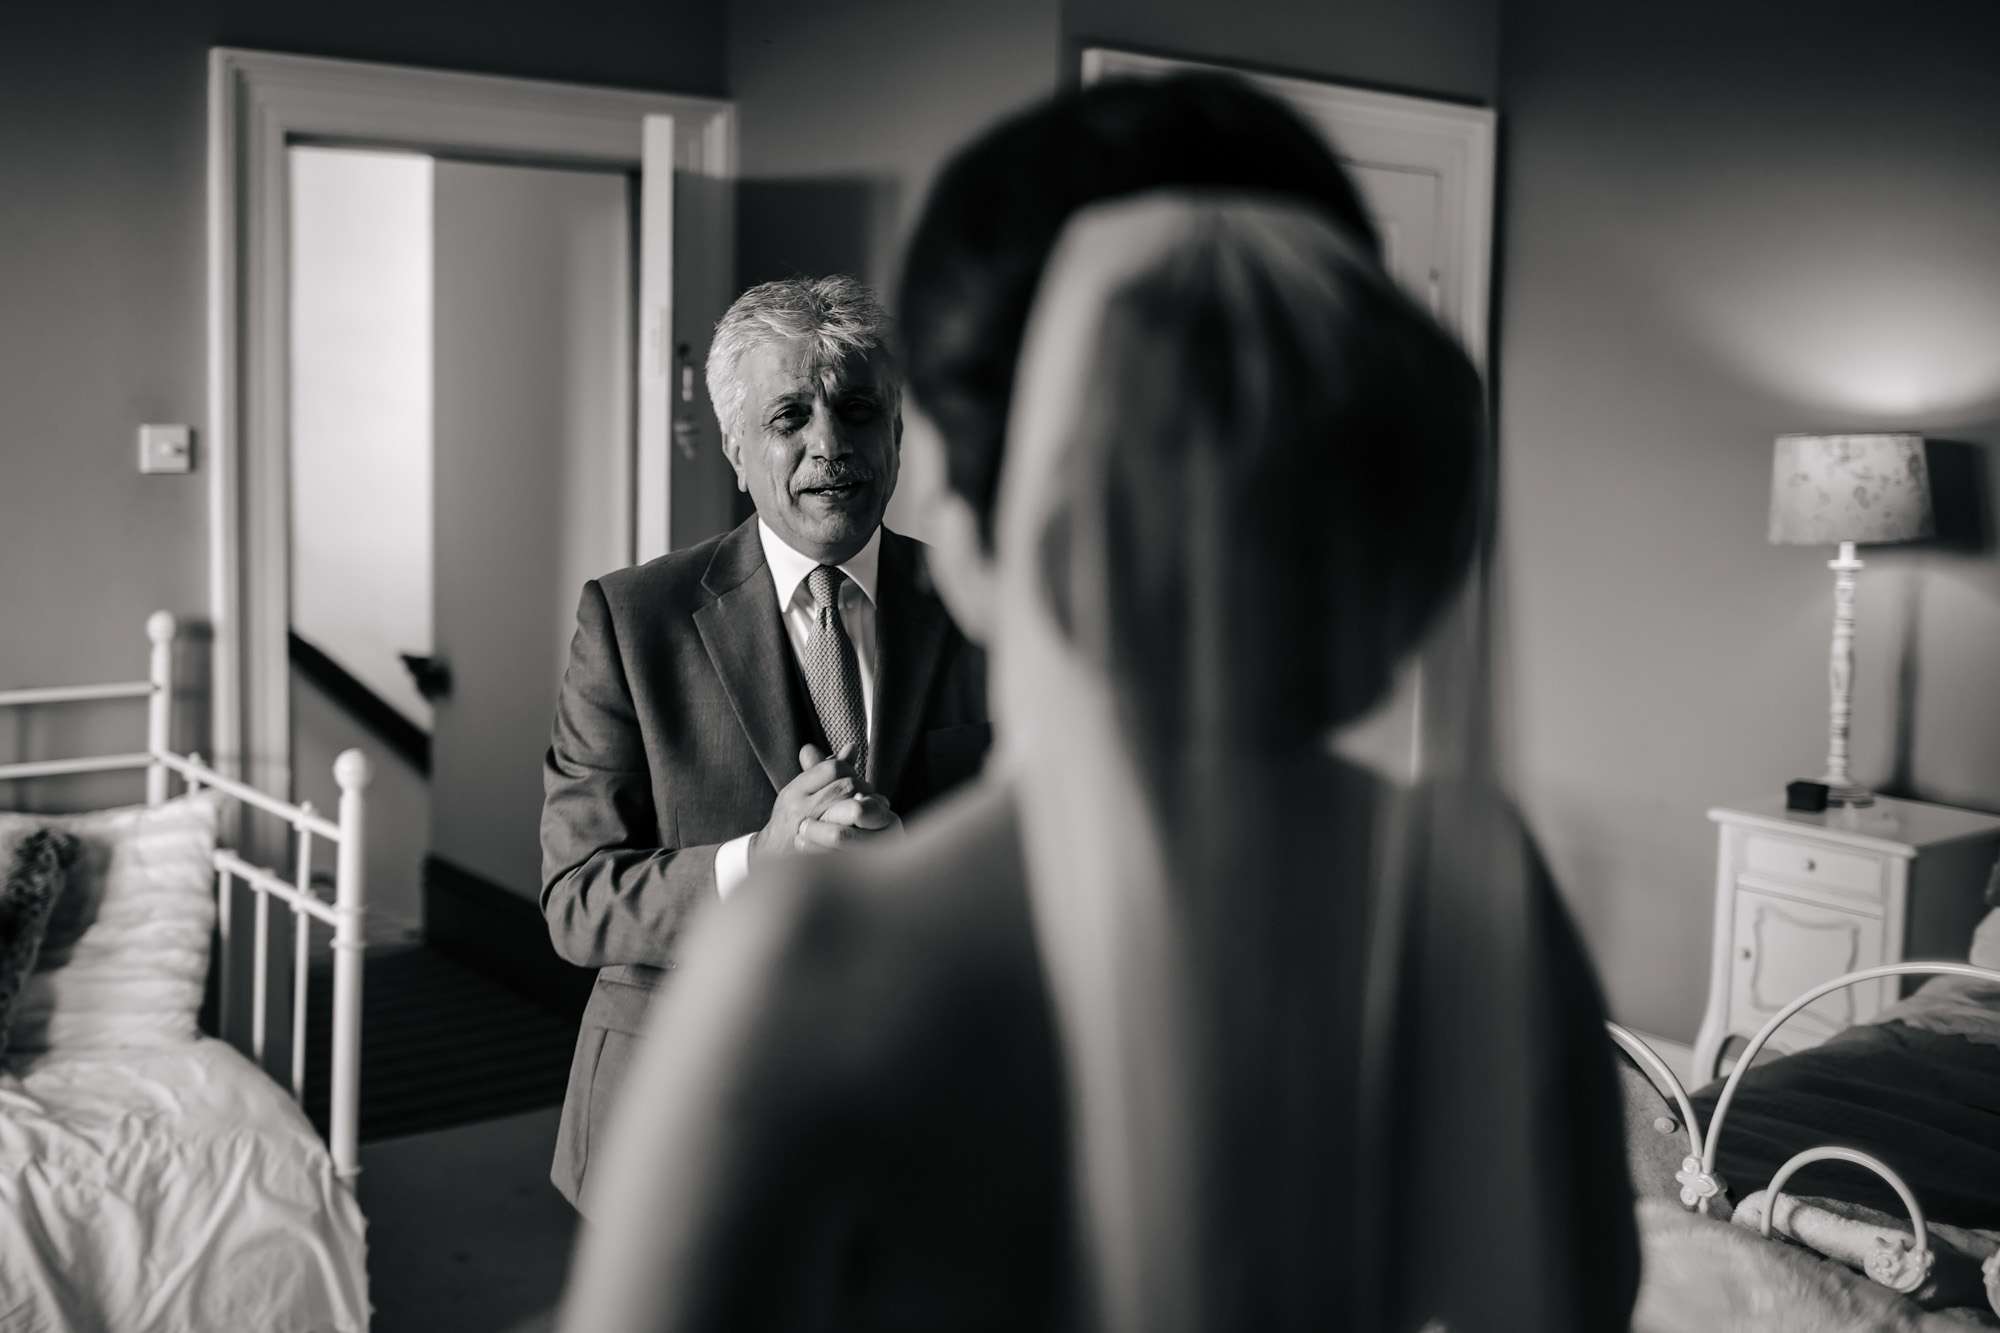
column 607, row 1076
column 622, row 997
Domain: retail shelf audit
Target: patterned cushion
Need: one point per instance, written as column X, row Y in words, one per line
column 125, row 957
column 34, row 878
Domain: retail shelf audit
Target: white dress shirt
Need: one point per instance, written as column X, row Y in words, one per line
column 857, row 615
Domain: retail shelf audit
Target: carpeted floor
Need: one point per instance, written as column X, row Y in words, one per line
column 465, row 1233
column 442, row 1045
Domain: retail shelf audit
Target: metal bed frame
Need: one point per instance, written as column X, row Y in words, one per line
column 1697, row 1176
column 343, row 915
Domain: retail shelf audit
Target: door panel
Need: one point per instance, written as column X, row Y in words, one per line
column 1405, row 203
column 1784, row 947
column 533, row 358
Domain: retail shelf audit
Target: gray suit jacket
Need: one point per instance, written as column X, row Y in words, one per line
column 681, row 714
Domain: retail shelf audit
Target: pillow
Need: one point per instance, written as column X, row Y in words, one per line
column 34, row 876
column 125, row 958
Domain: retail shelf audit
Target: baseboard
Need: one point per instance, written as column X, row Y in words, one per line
column 1678, row 1055
column 492, row 930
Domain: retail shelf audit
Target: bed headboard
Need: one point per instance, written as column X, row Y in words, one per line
column 344, row 834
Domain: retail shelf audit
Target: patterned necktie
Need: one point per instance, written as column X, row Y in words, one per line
column 833, row 674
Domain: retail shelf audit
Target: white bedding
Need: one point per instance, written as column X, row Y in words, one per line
column 169, row 1189
column 1703, row 1276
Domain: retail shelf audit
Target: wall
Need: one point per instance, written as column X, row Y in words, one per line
column 1718, row 226
column 361, row 413
column 103, row 133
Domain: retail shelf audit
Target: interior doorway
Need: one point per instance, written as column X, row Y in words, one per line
column 677, row 157
column 661, row 166
column 462, row 459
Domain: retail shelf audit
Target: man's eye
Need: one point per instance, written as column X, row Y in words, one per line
column 859, row 409
column 787, row 422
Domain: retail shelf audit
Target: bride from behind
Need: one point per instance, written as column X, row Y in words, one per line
column 1335, row 1058
column 1324, row 1051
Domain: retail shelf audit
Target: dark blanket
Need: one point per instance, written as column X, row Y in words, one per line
column 1925, row 1103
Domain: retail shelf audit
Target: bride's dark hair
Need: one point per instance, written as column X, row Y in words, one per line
column 994, row 213
column 1251, row 472
column 1271, row 384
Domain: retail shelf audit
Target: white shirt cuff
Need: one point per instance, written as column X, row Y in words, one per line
column 732, row 864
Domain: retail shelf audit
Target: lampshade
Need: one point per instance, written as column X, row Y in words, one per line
column 1827, row 489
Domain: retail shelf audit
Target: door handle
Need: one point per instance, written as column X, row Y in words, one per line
column 431, row 674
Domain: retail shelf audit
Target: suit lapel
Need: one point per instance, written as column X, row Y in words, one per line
column 746, row 641
column 910, row 633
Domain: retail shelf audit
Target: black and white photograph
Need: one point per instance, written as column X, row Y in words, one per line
column 1090, row 666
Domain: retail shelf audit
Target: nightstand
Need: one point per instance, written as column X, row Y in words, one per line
column 1802, row 898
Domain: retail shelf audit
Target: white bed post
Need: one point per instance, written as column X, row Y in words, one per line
column 159, row 704
column 350, row 770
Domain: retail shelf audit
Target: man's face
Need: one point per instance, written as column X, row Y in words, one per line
column 816, row 447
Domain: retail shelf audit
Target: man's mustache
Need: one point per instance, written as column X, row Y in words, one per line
column 832, row 474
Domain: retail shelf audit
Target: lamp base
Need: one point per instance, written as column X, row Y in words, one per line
column 1847, row 793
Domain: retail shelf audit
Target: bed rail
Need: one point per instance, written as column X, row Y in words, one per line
column 344, row 915
column 1663, row 1076
column 1778, row 1020
column 1901, row 1271
column 1896, row 1268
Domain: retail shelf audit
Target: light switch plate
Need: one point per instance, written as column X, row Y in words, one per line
column 166, row 449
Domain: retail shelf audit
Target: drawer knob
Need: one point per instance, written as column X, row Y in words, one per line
column 1743, row 952
column 1811, row 864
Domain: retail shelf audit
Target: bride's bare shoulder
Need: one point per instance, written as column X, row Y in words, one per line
column 862, row 948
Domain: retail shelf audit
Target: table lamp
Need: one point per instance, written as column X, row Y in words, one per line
column 1847, row 489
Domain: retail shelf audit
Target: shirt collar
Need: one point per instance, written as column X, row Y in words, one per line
column 789, row 568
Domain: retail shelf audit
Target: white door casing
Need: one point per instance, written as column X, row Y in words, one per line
column 259, row 104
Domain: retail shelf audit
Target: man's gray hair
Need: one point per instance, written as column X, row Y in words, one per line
column 839, row 315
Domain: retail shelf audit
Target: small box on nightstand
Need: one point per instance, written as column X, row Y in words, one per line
column 1809, row 797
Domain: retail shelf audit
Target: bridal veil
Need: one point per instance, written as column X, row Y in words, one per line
column 1328, row 1037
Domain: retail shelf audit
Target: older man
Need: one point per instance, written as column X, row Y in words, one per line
column 792, row 685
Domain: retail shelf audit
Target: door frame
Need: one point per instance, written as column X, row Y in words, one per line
column 260, row 103
column 1454, row 142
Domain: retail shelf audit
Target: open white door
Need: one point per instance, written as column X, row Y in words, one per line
column 573, row 436
column 531, row 479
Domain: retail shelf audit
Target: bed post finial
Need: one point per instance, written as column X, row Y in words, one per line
column 160, row 703
column 350, row 770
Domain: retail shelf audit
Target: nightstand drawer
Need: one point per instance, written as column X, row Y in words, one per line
column 1812, row 864
column 1783, row 947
